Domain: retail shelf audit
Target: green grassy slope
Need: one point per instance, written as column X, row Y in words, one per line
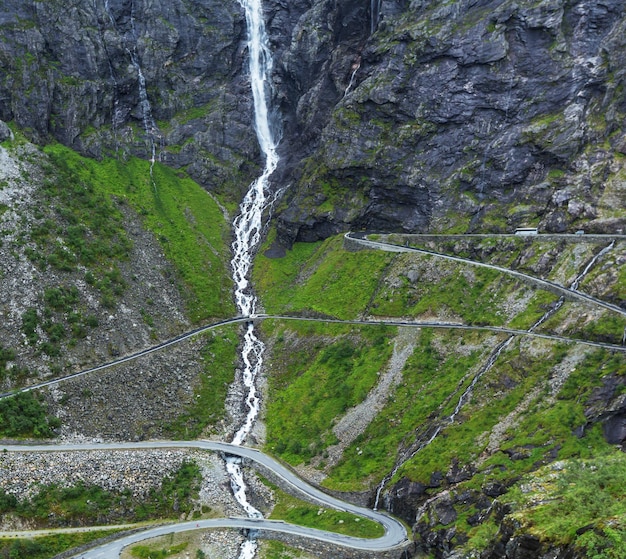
column 540, row 400
column 187, row 222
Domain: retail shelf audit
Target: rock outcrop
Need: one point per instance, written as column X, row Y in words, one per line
column 75, row 73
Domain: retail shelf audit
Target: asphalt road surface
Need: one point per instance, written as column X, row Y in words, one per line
column 394, row 536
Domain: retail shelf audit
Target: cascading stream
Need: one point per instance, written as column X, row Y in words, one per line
column 355, row 69
column 149, row 124
column 486, row 367
column 576, row 283
column 247, row 234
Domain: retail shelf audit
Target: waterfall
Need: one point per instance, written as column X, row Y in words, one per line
column 247, row 234
column 486, row 367
column 149, row 124
column 375, row 8
column 355, row 69
column 591, row 264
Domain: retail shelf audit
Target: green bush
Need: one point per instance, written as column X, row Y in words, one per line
column 6, row 355
column 23, row 415
column 30, row 321
column 583, row 506
column 61, row 298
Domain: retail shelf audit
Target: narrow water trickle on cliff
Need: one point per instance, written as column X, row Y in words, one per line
column 247, row 233
column 465, row 396
column 375, row 7
column 153, row 135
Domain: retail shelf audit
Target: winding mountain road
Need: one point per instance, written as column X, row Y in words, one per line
column 386, row 322
column 546, row 284
column 388, row 247
column 395, row 535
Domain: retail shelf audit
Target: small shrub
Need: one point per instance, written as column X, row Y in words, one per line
column 23, row 415
column 30, row 320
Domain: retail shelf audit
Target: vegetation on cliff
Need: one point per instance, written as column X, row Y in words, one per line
column 47, row 547
column 104, row 257
column 452, row 419
column 188, row 224
column 24, row 416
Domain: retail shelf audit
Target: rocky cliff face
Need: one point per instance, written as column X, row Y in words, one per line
column 396, row 115
column 74, row 72
column 479, row 115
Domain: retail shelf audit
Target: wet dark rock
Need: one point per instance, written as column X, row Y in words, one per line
column 519, row 453
column 5, row 132
column 614, row 428
column 607, row 405
column 439, row 111
column 445, row 513
column 458, row 473
column 523, row 547
column 494, row 489
column 405, row 498
column 436, row 479
column 465, row 497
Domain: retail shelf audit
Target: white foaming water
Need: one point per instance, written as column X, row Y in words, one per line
column 149, row 124
column 247, row 226
column 355, row 69
column 576, row 283
column 247, row 233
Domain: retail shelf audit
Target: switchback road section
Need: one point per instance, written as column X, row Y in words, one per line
column 395, row 536
column 546, row 284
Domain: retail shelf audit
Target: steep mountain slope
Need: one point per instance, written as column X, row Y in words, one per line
column 440, row 425
column 397, row 116
column 474, row 115
column 100, row 260
column 124, row 76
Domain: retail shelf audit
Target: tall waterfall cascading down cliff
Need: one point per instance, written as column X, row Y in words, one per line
column 247, row 232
